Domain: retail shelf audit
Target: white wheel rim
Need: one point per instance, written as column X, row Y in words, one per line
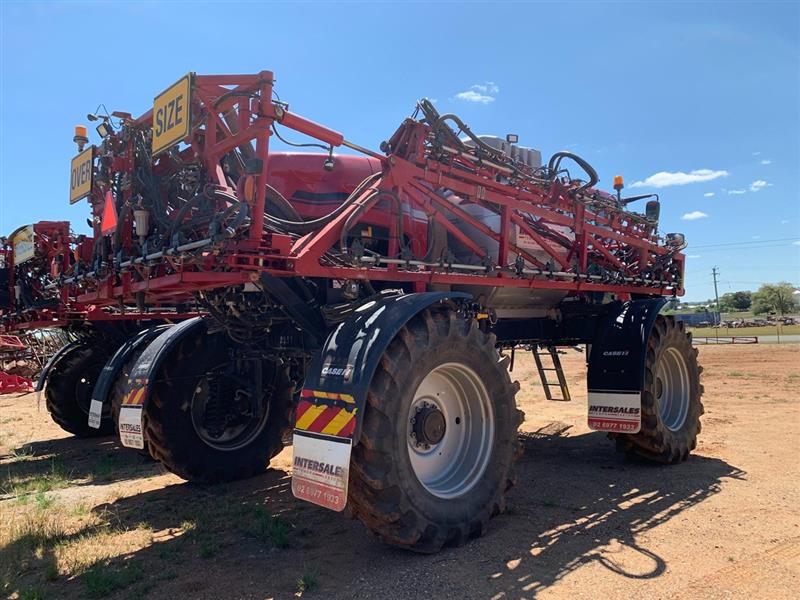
column 454, row 464
column 672, row 389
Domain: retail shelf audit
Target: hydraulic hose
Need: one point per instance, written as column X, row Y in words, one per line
column 364, row 207
column 302, row 227
column 555, row 162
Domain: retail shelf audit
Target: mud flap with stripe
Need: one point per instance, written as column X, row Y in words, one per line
column 323, row 439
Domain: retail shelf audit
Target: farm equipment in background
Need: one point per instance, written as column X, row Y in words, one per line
column 64, row 344
column 11, row 355
column 371, row 303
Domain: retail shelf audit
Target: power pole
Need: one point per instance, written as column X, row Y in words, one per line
column 715, row 272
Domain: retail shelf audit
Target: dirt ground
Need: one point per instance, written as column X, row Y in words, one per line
column 88, row 518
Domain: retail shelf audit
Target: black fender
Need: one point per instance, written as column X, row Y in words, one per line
column 340, row 373
column 112, row 368
column 60, row 353
column 617, row 355
column 140, row 383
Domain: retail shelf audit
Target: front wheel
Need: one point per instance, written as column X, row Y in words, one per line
column 69, row 386
column 671, row 399
column 439, row 438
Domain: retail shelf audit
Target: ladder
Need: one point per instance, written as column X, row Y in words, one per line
column 538, row 354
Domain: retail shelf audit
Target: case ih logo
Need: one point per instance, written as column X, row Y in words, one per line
column 344, row 372
column 616, row 353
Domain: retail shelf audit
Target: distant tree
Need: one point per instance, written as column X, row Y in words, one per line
column 735, row 301
column 775, row 297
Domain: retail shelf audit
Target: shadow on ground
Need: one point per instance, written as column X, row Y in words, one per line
column 576, row 502
column 74, row 461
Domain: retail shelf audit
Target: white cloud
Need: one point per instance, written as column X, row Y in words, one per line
column 797, row 243
column 666, row 178
column 471, row 96
column 694, row 215
column 756, row 153
column 758, row 185
column 482, row 93
column 737, row 192
column 692, row 256
column 708, row 194
column 766, row 161
column 490, row 87
column 784, row 221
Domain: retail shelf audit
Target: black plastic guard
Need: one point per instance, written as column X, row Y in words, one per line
column 341, row 371
column 146, row 367
column 112, row 368
column 616, row 360
column 60, row 353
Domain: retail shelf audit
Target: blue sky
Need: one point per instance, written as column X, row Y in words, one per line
column 698, row 102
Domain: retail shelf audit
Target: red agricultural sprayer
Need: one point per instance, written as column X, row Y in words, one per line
column 370, row 302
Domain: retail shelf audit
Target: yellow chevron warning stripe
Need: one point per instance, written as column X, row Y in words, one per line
column 338, row 422
column 309, row 416
column 135, row 397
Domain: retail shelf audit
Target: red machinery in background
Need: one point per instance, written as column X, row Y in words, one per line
column 11, row 347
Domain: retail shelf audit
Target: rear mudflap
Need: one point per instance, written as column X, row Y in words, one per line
column 615, row 375
column 322, row 443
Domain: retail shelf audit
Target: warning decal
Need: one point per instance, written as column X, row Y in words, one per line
column 136, row 392
column 616, row 412
column 320, row 469
column 326, row 412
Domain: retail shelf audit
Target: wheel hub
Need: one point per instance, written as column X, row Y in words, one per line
column 450, row 430
column 428, row 425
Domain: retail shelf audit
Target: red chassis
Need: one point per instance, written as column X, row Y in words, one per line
column 612, row 250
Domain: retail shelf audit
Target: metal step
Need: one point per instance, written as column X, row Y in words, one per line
column 550, row 351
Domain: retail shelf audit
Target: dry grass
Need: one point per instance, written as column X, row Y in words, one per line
column 63, row 542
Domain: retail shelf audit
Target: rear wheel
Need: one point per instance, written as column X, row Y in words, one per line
column 439, row 437
column 671, row 399
column 202, row 421
column 69, row 386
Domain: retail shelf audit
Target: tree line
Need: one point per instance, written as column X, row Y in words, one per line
column 779, row 298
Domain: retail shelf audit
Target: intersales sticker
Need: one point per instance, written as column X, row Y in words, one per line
column 615, row 412
column 95, row 414
column 130, row 427
column 320, row 469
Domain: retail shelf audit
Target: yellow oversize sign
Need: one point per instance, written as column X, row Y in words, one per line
column 81, row 173
column 172, row 114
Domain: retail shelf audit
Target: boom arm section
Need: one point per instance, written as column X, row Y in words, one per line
column 202, row 213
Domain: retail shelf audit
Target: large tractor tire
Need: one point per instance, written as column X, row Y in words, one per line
column 69, row 385
column 197, row 424
column 671, row 399
column 439, row 437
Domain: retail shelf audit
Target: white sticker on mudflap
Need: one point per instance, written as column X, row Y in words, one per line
column 616, row 412
column 95, row 414
column 320, row 469
column 130, row 426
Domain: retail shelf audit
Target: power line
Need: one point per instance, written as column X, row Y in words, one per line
column 728, row 249
column 791, row 239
